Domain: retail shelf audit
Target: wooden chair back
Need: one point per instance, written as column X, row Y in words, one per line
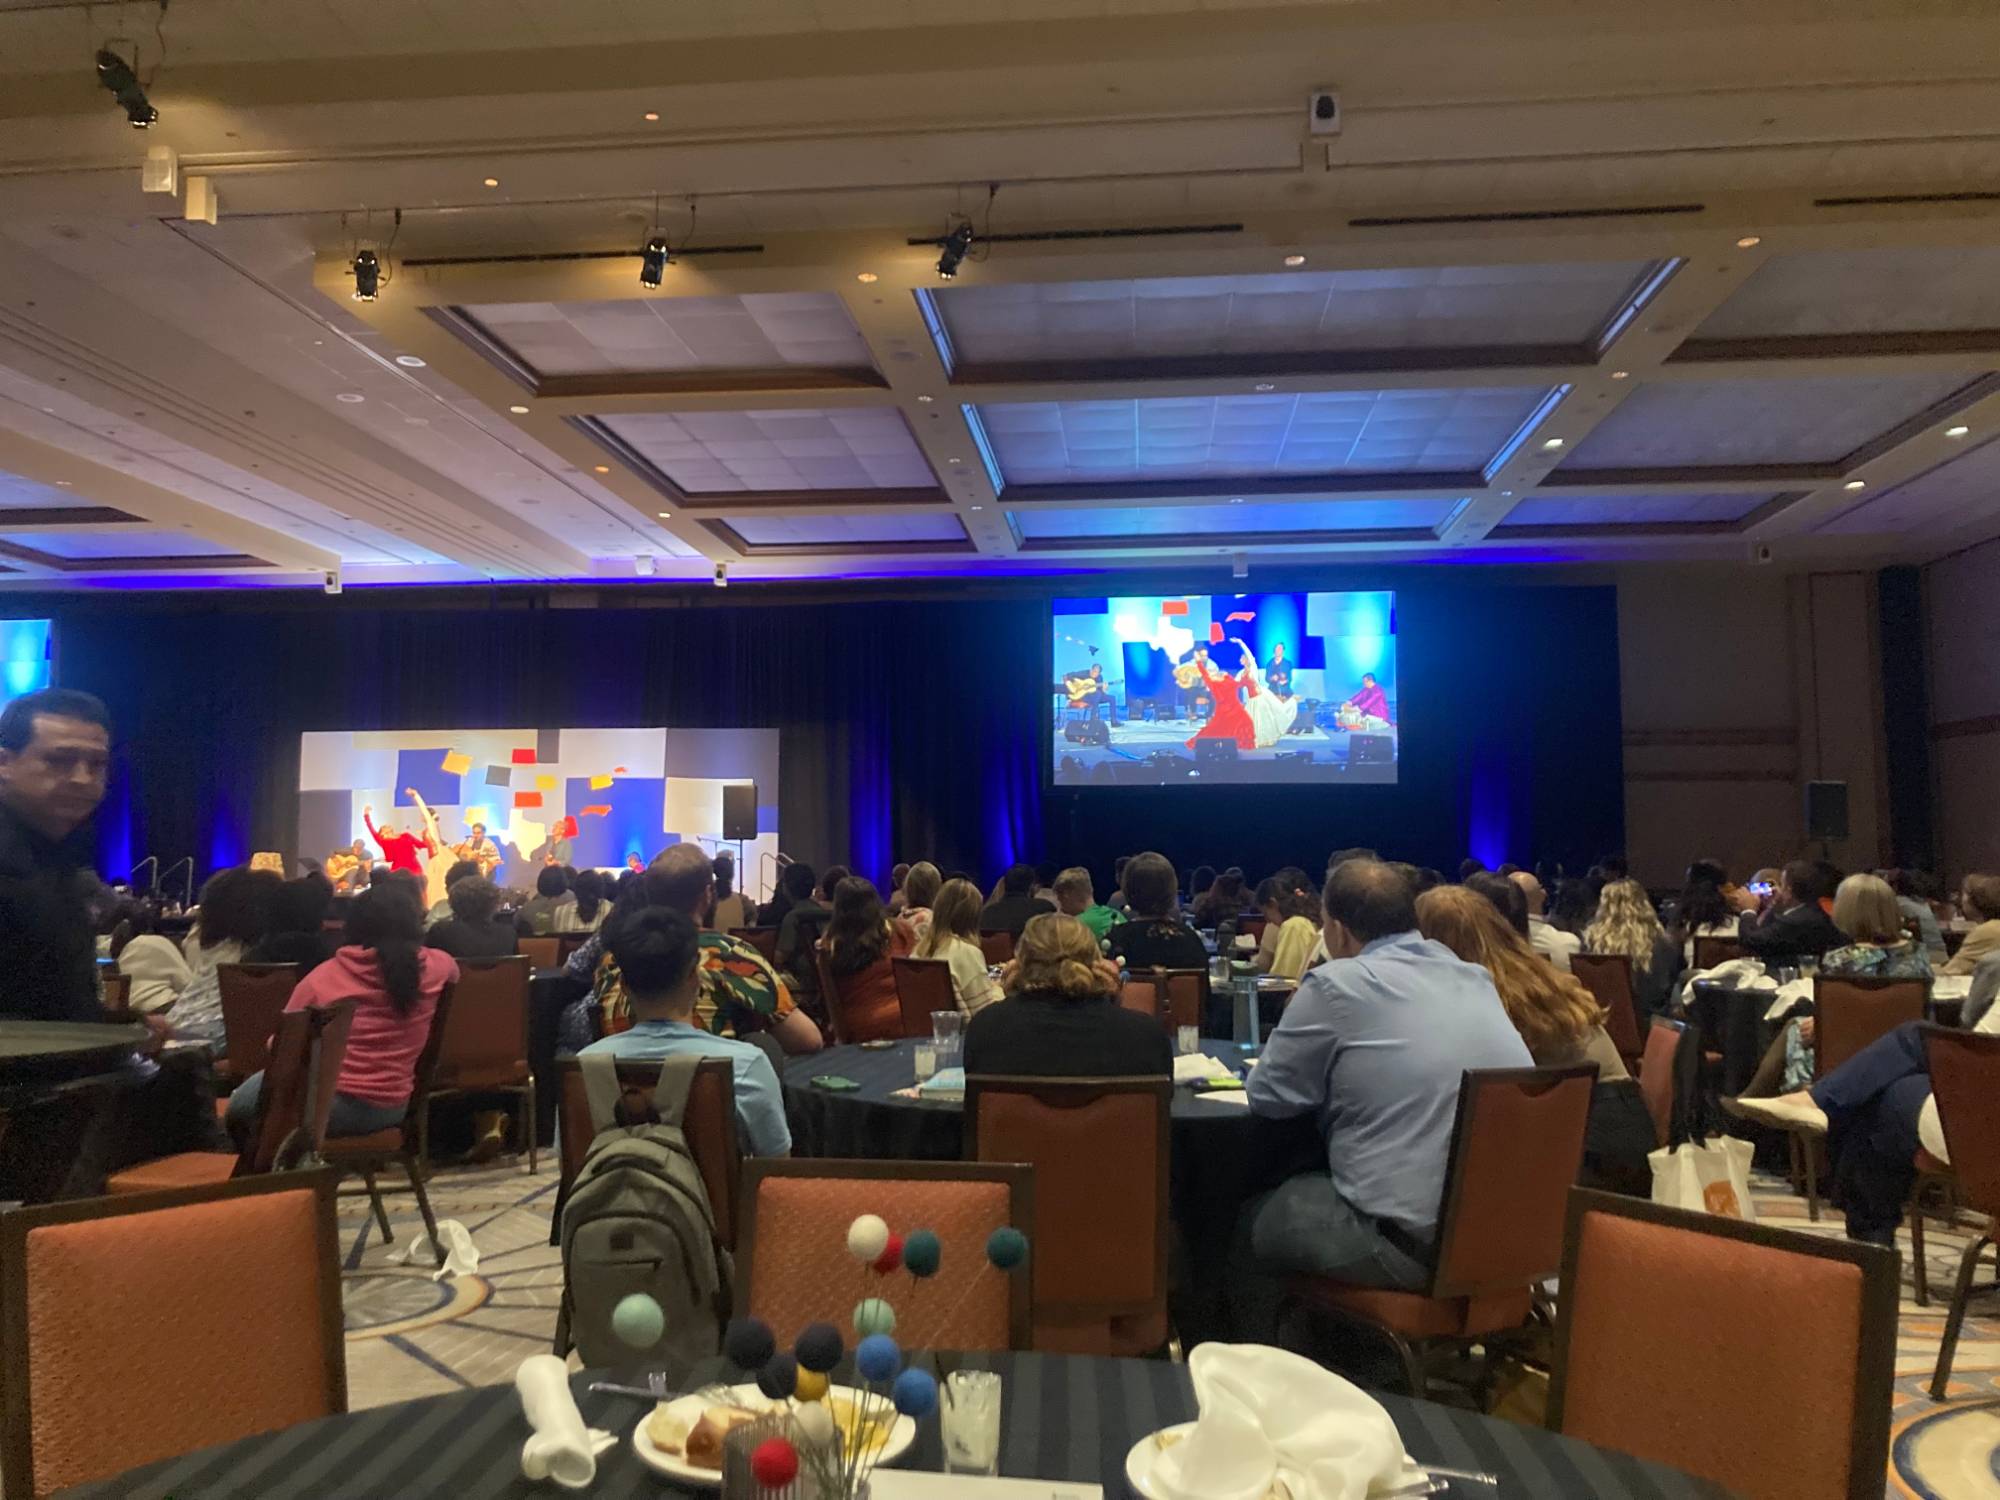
column 1714, row 951
column 485, row 1036
column 568, row 942
column 1608, row 976
column 1637, row 1277
column 1177, row 997
column 998, row 947
column 1965, row 1081
column 102, row 1279
column 540, row 952
column 300, row 1079
column 1099, row 1148
column 1667, row 1077
column 253, row 997
column 923, row 987
column 1851, row 1011
column 763, row 939
column 709, row 1123
column 794, row 1219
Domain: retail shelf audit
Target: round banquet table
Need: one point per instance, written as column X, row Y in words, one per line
column 1220, row 1154
column 1063, row 1418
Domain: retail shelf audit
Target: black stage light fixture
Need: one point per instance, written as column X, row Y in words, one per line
column 955, row 246
column 116, row 75
column 654, row 260
column 367, row 275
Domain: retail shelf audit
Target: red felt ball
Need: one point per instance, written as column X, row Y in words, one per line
column 891, row 1256
column 774, row 1463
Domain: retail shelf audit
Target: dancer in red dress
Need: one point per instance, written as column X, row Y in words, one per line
column 1230, row 720
column 400, row 849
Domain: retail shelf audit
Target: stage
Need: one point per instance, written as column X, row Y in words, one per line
column 1154, row 752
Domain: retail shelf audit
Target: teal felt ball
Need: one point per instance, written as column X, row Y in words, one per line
column 922, row 1253
column 638, row 1321
column 873, row 1315
column 1006, row 1248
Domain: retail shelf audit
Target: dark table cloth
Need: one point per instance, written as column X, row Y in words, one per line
column 1063, row 1417
column 61, row 1139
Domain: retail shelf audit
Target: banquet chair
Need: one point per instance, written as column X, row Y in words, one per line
column 1099, row 1147
column 1608, row 977
column 485, row 1049
column 923, row 987
column 1664, row 1347
column 293, row 1104
column 253, row 997
column 367, row 1156
column 540, row 952
column 1178, row 997
column 793, row 1267
column 997, row 946
column 709, row 1123
column 1667, row 1075
column 1965, row 1082
column 106, row 1366
column 1516, row 1147
column 568, row 942
column 763, row 939
column 1713, row 951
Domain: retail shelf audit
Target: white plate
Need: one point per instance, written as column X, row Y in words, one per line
column 689, row 1408
column 1146, row 1452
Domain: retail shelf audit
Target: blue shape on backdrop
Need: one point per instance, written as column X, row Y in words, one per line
column 423, row 769
column 1080, row 606
column 633, row 826
column 25, row 650
column 1145, row 671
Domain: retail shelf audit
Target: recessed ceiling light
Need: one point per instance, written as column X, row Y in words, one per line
column 666, row 515
column 1959, row 431
column 926, row 400
column 1749, row 242
column 979, row 507
column 1264, row 385
column 1621, row 374
column 651, row 116
column 1295, row 260
column 1552, row 444
column 492, row 182
column 1855, row 484
column 954, row 460
column 519, row 411
column 409, row 361
column 1235, row 499
column 351, row 398
column 867, row 278
column 62, row 484
column 600, row 468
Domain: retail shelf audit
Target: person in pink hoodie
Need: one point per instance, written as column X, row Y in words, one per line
column 394, row 982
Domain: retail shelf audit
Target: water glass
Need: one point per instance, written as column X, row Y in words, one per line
column 926, row 1055
column 970, row 1417
column 947, row 1027
column 1188, row 1040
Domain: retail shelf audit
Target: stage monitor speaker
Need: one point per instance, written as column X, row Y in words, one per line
column 1087, row 732
column 1210, row 751
column 739, row 812
column 1826, row 809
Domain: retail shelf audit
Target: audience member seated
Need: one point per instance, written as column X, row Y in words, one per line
column 1508, row 898
column 1627, row 925
column 235, row 914
column 805, row 918
column 860, row 941
column 1045, row 882
column 1373, row 1046
column 1297, row 935
column 1061, row 1018
column 1979, row 902
column 658, row 953
column 1017, row 902
column 732, row 909
column 1155, row 937
column 1116, row 900
column 1914, row 908
column 1544, row 936
column 1794, row 926
column 1573, row 907
column 953, row 936
column 537, row 916
column 920, row 893
column 472, row 930
column 1562, row 1024
column 795, row 884
column 898, row 898
column 1223, row 901
column 440, row 910
column 394, row 983
column 1202, row 877
column 589, row 904
column 297, row 932
column 1076, row 898
column 1709, row 906
column 155, row 966
column 740, row 992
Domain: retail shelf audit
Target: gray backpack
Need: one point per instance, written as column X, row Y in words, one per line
column 638, row 1219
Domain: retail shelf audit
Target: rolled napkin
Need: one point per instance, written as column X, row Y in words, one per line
column 560, row 1447
column 1269, row 1414
column 461, row 1256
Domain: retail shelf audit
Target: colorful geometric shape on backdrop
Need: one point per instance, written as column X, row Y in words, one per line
column 545, row 783
column 456, row 763
column 1173, row 606
column 597, row 810
column 524, row 757
column 423, row 770
column 599, row 783
column 527, row 799
column 499, row 776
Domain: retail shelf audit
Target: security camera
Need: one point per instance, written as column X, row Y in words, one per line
column 722, row 575
column 1323, row 112
column 330, row 580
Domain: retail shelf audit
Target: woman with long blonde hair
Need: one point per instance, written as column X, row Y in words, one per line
column 1626, row 924
column 1061, row 1017
column 953, row 935
column 1562, row 1024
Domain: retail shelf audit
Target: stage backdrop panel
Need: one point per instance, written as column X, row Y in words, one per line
column 628, row 792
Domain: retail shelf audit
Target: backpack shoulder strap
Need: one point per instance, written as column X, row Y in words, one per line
column 600, row 1087
column 676, row 1083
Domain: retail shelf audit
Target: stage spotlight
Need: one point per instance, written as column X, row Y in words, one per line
column 367, row 269
column 956, row 244
column 116, row 75
column 654, row 260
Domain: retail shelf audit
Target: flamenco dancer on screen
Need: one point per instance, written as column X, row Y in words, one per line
column 1229, row 720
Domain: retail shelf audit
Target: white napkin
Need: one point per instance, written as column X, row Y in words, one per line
column 1267, row 1413
column 461, row 1256
column 1192, row 1067
column 1951, row 987
column 561, row 1447
column 1789, row 995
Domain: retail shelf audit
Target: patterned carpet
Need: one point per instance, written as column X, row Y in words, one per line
column 409, row 1336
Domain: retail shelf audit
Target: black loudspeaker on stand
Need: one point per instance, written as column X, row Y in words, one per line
column 739, row 812
column 1826, row 810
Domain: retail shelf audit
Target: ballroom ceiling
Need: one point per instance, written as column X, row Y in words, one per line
column 1573, row 282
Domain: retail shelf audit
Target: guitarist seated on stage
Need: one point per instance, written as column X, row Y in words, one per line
column 1086, row 690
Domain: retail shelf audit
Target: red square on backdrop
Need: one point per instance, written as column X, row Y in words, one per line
column 524, row 757
column 1173, row 607
column 527, row 799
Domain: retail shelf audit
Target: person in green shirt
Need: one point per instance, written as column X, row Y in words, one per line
column 1076, row 898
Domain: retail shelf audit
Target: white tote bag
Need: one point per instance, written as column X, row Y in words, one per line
column 1710, row 1177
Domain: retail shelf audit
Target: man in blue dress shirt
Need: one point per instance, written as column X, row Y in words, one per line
column 1373, row 1045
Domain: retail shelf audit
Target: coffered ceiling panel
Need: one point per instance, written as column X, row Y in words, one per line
column 1952, row 495
column 742, row 452
column 125, row 541
column 1721, row 423
column 1253, row 437
column 1632, row 510
column 776, row 531
column 1863, row 291
column 17, row 493
column 1218, row 523
column 754, row 331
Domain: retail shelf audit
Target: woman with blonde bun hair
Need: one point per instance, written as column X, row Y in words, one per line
column 1061, row 1017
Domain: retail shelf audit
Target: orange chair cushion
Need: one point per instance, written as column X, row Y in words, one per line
column 1412, row 1314
column 120, row 1371
column 188, row 1169
column 378, row 1143
column 222, row 1106
column 1733, row 1361
column 487, row 1076
column 800, row 1272
column 1130, row 1337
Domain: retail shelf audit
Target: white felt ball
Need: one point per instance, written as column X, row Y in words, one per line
column 867, row 1238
